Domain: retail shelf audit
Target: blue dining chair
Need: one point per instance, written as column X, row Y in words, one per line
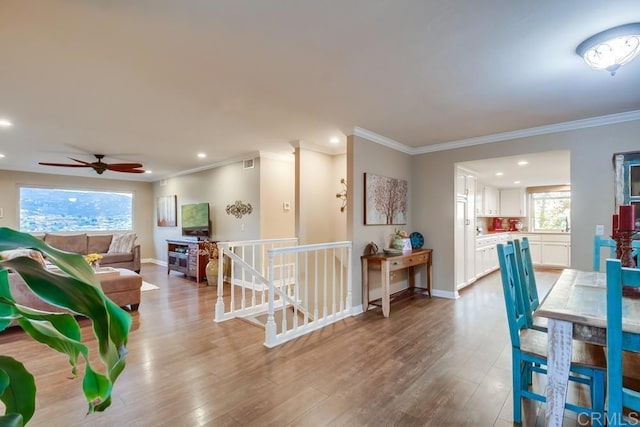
column 528, row 282
column 617, row 341
column 600, row 243
column 529, row 349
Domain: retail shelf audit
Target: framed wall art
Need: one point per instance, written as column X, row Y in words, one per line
column 166, row 211
column 385, row 200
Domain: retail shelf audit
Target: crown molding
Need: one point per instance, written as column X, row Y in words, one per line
column 319, row 148
column 275, row 156
column 540, row 130
column 382, row 140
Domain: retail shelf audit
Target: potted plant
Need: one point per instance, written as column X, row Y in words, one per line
column 77, row 290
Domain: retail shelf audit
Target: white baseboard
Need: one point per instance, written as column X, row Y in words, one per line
column 154, row 261
column 445, row 294
column 356, row 310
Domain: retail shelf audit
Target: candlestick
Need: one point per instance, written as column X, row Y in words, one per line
column 627, row 220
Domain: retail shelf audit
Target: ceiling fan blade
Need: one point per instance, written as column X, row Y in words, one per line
column 82, row 161
column 68, row 165
column 125, row 165
column 129, row 170
column 120, row 168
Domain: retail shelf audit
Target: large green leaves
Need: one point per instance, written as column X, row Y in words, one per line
column 75, row 288
column 17, row 387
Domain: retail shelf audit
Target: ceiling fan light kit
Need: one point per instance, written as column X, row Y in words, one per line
column 612, row 48
column 99, row 166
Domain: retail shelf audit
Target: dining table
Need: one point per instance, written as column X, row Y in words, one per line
column 576, row 309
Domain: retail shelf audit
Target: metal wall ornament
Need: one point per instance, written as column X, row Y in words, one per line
column 238, row 209
column 343, row 195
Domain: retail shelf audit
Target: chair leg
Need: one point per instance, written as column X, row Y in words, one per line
column 517, row 372
column 598, row 394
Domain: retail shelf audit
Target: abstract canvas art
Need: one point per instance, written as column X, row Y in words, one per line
column 166, row 213
column 385, row 200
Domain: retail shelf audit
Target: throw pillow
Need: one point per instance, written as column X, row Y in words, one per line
column 122, row 243
column 31, row 253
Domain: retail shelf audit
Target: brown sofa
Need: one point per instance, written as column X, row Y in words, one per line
column 86, row 244
column 123, row 289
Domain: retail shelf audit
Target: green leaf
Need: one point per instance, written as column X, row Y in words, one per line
column 74, row 288
column 11, row 420
column 19, row 396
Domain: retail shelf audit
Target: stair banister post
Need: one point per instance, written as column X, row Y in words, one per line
column 270, row 327
column 349, row 281
column 219, row 315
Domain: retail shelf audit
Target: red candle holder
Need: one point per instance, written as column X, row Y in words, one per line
column 624, row 254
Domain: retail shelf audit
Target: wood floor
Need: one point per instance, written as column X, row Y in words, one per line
column 433, row 362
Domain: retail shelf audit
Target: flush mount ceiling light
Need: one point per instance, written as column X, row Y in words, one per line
column 611, row 48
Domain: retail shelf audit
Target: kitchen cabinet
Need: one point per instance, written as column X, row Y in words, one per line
column 549, row 250
column 487, row 200
column 556, row 250
column 513, row 202
column 487, row 253
column 465, row 228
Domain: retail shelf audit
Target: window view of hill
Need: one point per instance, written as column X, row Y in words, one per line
column 49, row 210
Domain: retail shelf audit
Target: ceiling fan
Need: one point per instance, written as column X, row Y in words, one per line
column 100, row 166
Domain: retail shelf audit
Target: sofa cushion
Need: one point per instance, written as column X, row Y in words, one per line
column 122, row 243
column 98, row 243
column 71, row 243
column 115, row 258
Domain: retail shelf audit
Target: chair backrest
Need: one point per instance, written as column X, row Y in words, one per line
column 530, row 296
column 617, row 277
column 512, row 292
column 600, row 242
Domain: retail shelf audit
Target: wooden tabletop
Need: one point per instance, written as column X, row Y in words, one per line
column 580, row 297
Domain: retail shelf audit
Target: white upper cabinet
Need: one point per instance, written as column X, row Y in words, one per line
column 513, row 202
column 487, row 200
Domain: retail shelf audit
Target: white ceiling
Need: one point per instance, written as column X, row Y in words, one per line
column 547, row 168
column 158, row 81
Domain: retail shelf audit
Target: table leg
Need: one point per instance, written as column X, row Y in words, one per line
column 365, row 285
column 428, row 275
column 559, row 347
column 384, row 276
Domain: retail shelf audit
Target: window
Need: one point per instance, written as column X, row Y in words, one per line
column 550, row 210
column 49, row 209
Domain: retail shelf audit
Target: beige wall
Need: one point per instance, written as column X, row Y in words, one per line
column 318, row 218
column 339, row 218
column 277, row 186
column 592, row 179
column 220, row 187
column 366, row 156
column 143, row 206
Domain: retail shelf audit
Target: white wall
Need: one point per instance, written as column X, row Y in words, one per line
column 277, row 186
column 364, row 156
column 592, row 180
column 318, row 216
column 143, row 215
column 220, row 187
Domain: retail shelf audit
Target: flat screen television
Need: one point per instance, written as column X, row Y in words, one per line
column 195, row 220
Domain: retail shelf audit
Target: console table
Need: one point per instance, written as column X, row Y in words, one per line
column 386, row 265
column 187, row 257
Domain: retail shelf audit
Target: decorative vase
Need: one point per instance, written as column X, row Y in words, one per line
column 211, row 270
column 397, row 243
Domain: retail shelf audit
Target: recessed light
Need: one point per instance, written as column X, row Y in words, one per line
column 148, row 171
column 516, row 182
column 4, row 123
column 334, row 140
column 499, row 173
column 522, row 163
column 201, row 155
column 1, row 156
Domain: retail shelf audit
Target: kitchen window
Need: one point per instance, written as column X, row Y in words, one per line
column 550, row 208
column 59, row 210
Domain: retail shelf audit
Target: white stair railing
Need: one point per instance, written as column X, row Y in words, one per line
column 243, row 272
column 290, row 290
column 321, row 290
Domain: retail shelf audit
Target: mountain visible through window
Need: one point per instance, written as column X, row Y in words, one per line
column 51, row 210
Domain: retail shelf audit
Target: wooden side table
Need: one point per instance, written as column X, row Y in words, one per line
column 387, row 264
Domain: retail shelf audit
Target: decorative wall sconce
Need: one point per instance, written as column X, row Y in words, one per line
column 238, row 209
column 343, row 194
